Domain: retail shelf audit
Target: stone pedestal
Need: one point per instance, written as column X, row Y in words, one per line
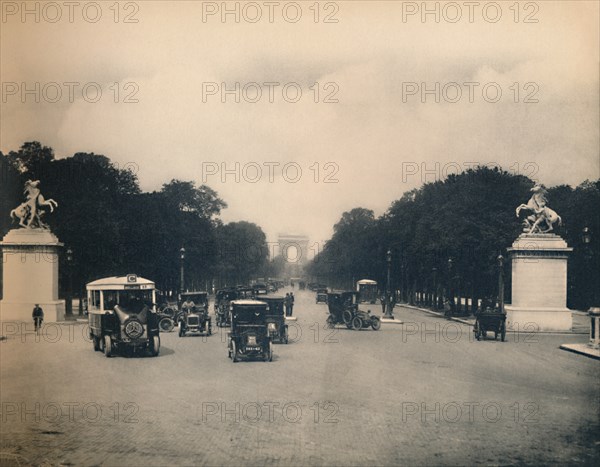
column 539, row 284
column 30, row 275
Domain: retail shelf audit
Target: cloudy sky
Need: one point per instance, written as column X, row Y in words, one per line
column 361, row 131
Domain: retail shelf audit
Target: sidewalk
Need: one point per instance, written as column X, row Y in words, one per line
column 580, row 320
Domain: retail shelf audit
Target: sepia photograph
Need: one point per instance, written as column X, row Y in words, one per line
column 300, row 233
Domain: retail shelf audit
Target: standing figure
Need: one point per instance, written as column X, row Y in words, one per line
column 291, row 303
column 287, row 302
column 38, row 317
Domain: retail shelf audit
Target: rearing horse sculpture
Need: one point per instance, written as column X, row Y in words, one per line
column 540, row 212
column 29, row 213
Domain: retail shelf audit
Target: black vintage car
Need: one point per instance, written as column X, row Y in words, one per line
column 249, row 334
column 122, row 315
column 193, row 317
column 343, row 308
column 321, row 296
column 278, row 329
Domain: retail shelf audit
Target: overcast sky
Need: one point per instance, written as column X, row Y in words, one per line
column 373, row 143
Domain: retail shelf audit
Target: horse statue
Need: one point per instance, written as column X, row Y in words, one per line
column 540, row 213
column 29, row 213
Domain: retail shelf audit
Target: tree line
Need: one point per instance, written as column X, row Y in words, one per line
column 114, row 228
column 444, row 240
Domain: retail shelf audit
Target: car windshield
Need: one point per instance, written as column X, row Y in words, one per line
column 130, row 300
column 249, row 314
column 197, row 298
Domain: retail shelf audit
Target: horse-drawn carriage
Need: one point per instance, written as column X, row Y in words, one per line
column 490, row 321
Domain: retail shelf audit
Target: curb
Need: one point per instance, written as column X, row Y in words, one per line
column 451, row 318
column 587, row 352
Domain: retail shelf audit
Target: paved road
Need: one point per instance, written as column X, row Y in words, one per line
column 419, row 394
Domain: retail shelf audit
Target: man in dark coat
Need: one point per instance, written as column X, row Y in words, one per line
column 38, row 316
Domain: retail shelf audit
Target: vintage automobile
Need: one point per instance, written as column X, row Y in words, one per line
column 367, row 289
column 343, row 308
column 321, row 296
column 122, row 315
column 249, row 334
column 260, row 289
column 278, row 329
column 193, row 317
column 222, row 299
column 490, row 320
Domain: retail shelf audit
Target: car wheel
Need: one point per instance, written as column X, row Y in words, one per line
column 375, row 323
column 269, row 353
column 107, row 346
column 166, row 324
column 155, row 346
column 285, row 335
column 206, row 328
column 96, row 343
column 347, row 317
column 503, row 333
column 234, row 357
column 357, row 323
column 181, row 330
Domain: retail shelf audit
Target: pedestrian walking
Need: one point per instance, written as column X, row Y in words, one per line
column 382, row 304
column 38, row 317
column 291, row 303
column 287, row 302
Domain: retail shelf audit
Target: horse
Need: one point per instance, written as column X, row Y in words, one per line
column 20, row 213
column 540, row 212
column 30, row 209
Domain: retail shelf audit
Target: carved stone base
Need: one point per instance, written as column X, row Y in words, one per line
column 528, row 320
column 30, row 275
column 21, row 311
column 539, row 284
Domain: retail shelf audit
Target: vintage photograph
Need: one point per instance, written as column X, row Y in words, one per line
column 300, row 233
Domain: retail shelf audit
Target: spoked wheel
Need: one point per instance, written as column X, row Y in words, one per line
column 207, row 328
column 155, row 346
column 357, row 323
column 375, row 323
column 107, row 346
column 166, row 324
column 234, row 357
column 269, row 353
column 347, row 317
column 285, row 335
column 503, row 332
column 96, row 343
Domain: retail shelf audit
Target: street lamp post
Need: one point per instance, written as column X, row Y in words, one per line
column 69, row 299
column 501, row 283
column 388, row 306
column 450, row 291
column 435, row 294
column 181, row 276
